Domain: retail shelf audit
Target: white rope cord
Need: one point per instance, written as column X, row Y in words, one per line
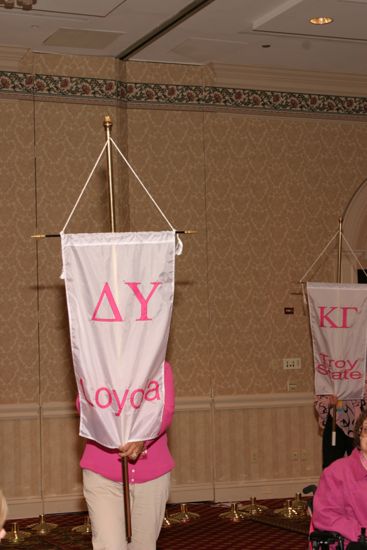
column 143, row 186
column 354, row 255
column 302, row 280
column 84, row 188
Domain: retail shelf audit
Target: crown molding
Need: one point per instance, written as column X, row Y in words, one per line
column 286, row 80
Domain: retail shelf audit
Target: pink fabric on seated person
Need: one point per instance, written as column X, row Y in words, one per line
column 340, row 502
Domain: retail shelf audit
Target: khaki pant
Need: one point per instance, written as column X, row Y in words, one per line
column 106, row 511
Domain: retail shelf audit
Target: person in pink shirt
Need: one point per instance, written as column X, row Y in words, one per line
column 150, row 464
column 340, row 502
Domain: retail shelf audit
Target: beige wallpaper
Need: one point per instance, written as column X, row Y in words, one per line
column 264, row 194
column 71, row 65
column 165, row 72
column 18, row 300
column 69, row 139
column 167, row 150
column 275, row 190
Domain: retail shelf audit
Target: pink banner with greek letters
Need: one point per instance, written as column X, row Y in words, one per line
column 119, row 289
column 338, row 321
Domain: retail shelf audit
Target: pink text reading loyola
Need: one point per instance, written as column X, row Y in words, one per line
column 105, row 398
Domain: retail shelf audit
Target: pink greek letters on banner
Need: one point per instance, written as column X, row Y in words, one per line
column 117, row 317
column 338, row 322
column 119, row 290
column 330, row 316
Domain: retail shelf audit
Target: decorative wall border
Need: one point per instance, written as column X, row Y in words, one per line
column 66, row 87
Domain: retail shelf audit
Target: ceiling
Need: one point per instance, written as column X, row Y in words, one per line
column 261, row 33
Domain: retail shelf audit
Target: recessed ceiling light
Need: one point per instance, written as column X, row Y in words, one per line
column 321, row 20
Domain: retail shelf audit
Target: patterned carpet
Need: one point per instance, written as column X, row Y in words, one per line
column 208, row 532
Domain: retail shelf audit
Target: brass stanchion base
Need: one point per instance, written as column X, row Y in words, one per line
column 252, row 509
column 233, row 515
column 85, row 529
column 169, row 521
column 15, row 536
column 288, row 511
column 299, row 505
column 184, row 516
column 43, row 527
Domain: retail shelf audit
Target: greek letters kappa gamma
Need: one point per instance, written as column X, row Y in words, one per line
column 339, row 335
column 338, row 369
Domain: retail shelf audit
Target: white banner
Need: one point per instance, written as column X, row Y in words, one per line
column 119, row 289
column 338, row 320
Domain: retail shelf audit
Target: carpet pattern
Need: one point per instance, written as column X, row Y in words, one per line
column 209, row 532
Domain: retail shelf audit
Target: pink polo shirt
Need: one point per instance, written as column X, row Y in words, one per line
column 339, row 503
column 154, row 463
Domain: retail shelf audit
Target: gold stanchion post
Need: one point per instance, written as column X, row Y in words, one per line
column 287, row 512
column 252, row 509
column 107, row 123
column 85, row 528
column 184, row 516
column 233, row 515
column 42, row 527
column 14, row 536
column 168, row 521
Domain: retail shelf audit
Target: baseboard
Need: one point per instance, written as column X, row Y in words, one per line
column 33, row 507
column 262, row 489
column 237, row 491
column 24, row 507
column 194, row 492
column 65, row 503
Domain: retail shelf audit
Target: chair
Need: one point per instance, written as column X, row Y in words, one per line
column 321, row 540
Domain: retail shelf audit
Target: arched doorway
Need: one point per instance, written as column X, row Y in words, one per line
column 355, row 232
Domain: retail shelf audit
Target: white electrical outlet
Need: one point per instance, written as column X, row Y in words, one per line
column 292, row 363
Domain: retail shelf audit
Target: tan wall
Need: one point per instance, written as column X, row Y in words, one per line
column 264, row 191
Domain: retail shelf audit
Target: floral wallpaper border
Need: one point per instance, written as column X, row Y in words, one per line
column 184, row 95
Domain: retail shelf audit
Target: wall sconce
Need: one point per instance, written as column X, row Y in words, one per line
column 24, row 4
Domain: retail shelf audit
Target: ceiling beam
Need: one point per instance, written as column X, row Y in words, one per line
column 164, row 28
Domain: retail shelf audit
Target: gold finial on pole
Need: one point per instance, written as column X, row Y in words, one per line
column 107, row 123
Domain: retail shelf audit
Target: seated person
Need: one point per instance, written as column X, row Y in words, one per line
column 340, row 502
column 3, row 513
